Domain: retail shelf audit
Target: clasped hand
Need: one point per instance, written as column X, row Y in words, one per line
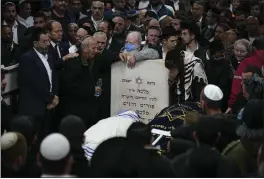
column 129, row 58
column 54, row 103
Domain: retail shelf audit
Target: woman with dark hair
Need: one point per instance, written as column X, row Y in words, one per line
column 186, row 77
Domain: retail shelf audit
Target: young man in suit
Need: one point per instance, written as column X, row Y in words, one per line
column 38, row 85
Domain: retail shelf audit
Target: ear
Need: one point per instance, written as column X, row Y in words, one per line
column 164, row 41
column 195, row 137
column 35, row 43
column 192, row 36
column 38, row 160
column 169, row 146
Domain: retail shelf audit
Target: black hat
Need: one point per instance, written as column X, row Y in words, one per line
column 192, row 27
column 168, row 31
column 216, row 46
column 252, row 117
column 253, row 114
column 123, row 15
column 132, row 13
column 200, row 2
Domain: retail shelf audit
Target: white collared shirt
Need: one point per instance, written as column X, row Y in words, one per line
column 109, row 43
column 163, row 53
column 28, row 22
column 96, row 23
column 14, row 30
column 190, row 51
column 58, row 50
column 73, row 49
column 44, row 59
column 176, row 5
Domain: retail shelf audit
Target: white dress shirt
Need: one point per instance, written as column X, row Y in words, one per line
column 73, row 49
column 44, row 59
column 28, row 22
column 96, row 23
column 58, row 50
column 176, row 5
column 14, row 30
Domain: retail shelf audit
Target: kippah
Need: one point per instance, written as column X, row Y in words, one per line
column 55, row 147
column 132, row 13
column 162, row 17
column 200, row 2
column 213, row 92
column 8, row 140
column 9, row 3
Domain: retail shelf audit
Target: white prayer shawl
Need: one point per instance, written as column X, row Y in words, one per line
column 194, row 69
column 115, row 126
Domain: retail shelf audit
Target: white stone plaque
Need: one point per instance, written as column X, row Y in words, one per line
column 143, row 89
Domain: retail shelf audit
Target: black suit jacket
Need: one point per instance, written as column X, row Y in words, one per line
column 77, row 88
column 58, row 62
column 21, row 29
column 34, row 85
column 9, row 57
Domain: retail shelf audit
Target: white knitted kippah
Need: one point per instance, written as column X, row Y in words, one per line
column 213, row 92
column 55, row 147
column 8, row 140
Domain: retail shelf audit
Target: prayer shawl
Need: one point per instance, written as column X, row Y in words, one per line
column 115, row 126
column 193, row 70
column 172, row 117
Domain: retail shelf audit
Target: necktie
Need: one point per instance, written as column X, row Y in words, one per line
column 57, row 48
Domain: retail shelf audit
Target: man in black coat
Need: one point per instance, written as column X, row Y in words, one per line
column 9, row 19
column 10, row 52
column 105, row 60
column 78, row 84
column 56, row 48
column 38, row 85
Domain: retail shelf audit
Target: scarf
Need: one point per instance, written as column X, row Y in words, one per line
column 193, row 69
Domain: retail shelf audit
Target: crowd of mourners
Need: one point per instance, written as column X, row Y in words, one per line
column 57, row 123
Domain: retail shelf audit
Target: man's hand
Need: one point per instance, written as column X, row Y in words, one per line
column 123, row 56
column 229, row 110
column 173, row 74
column 98, row 90
column 54, row 103
column 70, row 56
column 131, row 62
column 55, row 100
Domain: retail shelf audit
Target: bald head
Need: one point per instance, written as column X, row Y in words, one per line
column 55, row 29
column 80, row 34
column 89, row 48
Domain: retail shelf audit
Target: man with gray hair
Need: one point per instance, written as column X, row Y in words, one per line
column 105, row 59
column 78, row 84
column 97, row 9
column 101, row 39
column 134, row 52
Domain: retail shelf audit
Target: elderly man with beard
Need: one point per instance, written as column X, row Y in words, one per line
column 78, row 84
column 118, row 35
